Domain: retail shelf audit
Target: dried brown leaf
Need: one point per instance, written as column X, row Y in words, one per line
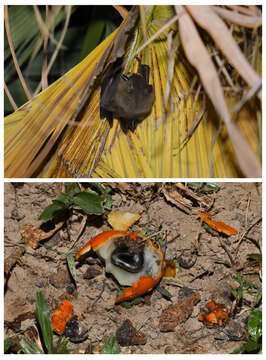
column 127, row 335
column 124, row 187
column 16, row 323
column 181, row 196
column 33, row 235
column 178, row 313
column 213, row 24
column 11, row 260
column 173, row 196
column 236, row 18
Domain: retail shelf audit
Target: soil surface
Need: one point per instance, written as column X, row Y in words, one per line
column 210, row 262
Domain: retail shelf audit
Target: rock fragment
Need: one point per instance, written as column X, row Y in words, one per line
column 127, row 335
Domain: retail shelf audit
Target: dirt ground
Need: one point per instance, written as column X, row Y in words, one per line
column 236, row 204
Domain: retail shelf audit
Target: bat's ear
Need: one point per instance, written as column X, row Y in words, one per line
column 113, row 69
column 144, row 70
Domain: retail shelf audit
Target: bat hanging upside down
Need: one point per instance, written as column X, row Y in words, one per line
column 127, row 97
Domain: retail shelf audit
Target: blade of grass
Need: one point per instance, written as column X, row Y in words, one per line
column 71, row 266
column 29, row 347
column 111, row 346
column 7, row 27
column 12, row 102
column 44, row 320
column 7, row 343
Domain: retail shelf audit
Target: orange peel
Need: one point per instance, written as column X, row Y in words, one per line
column 98, row 240
column 122, row 221
column 217, row 314
column 217, row 225
column 61, row 315
column 140, row 280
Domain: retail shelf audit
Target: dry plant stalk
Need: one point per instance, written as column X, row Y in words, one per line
column 179, row 195
column 199, row 57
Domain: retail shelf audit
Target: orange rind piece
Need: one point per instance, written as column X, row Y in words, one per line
column 217, row 225
column 169, row 268
column 140, row 287
column 217, row 315
column 61, row 315
column 122, row 221
column 98, row 241
column 141, row 281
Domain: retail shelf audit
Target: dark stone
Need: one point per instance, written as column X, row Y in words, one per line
column 127, row 335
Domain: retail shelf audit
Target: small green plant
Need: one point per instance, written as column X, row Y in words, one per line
column 111, row 346
column 7, row 344
column 72, row 267
column 129, row 303
column 246, row 287
column 165, row 293
column 205, row 186
column 46, row 332
column 254, row 343
column 90, row 202
column 238, row 293
column 156, row 236
column 94, row 201
column 222, row 261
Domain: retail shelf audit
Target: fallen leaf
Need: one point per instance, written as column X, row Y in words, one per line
column 178, row 313
column 184, row 198
column 16, row 323
column 127, row 335
column 32, row 235
column 11, row 260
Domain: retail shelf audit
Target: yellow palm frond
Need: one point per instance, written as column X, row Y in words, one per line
column 85, row 145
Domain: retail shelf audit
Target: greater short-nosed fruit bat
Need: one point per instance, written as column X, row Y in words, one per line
column 127, row 97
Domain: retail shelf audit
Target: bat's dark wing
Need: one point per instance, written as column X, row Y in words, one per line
column 108, row 89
